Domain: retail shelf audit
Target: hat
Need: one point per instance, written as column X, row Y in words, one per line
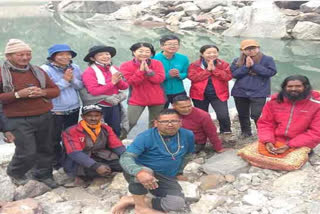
column 97, row 49
column 16, row 45
column 60, row 48
column 248, row 43
column 90, row 108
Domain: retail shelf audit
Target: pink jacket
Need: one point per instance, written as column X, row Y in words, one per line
column 90, row 81
column 145, row 90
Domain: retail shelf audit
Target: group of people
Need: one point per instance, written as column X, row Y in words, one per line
column 41, row 109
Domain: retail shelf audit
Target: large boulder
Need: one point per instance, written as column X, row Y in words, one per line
column 189, row 8
column 7, row 187
column 262, row 19
column 306, row 31
column 311, row 6
column 32, row 189
column 26, row 206
column 206, row 204
column 207, row 5
column 6, row 153
column 310, row 17
column 226, row 163
column 293, row 5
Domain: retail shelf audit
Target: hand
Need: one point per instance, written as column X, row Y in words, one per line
column 37, row 92
column 182, row 178
column 116, row 77
column 249, row 62
column 23, row 93
column 144, row 66
column 211, row 66
column 9, row 137
column 174, row 72
column 147, row 179
column 270, row 147
column 103, row 170
column 68, row 75
column 281, row 149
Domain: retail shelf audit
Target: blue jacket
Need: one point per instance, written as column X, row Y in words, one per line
column 68, row 98
column 181, row 62
column 253, row 85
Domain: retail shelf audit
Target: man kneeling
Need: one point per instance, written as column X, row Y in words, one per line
column 92, row 147
column 152, row 162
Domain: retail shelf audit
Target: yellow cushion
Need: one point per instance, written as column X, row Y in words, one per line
column 294, row 160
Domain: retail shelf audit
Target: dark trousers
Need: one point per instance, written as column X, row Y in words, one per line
column 113, row 164
column 220, row 108
column 169, row 196
column 61, row 123
column 112, row 116
column 248, row 107
column 34, row 146
column 170, row 98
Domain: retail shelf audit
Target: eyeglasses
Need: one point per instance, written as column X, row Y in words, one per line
column 166, row 122
column 172, row 44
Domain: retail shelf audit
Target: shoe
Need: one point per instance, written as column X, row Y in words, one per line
column 227, row 137
column 50, row 182
column 245, row 135
column 19, row 181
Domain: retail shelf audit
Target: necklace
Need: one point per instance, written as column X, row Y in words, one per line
column 165, row 145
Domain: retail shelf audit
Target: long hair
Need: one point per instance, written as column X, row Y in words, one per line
column 303, row 79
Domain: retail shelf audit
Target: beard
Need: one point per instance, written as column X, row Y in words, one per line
column 295, row 96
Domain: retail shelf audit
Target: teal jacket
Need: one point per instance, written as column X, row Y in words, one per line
column 181, row 62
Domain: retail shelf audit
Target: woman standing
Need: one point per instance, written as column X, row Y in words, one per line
column 252, row 71
column 66, row 75
column 144, row 76
column 101, row 78
column 209, row 85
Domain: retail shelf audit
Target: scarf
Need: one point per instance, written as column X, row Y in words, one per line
column 7, row 77
column 242, row 59
column 89, row 129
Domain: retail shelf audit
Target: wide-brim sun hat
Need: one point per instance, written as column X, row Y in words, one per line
column 97, row 49
column 60, row 48
column 248, row 43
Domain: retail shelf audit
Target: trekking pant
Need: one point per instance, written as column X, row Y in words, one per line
column 170, row 98
column 34, row 145
column 112, row 116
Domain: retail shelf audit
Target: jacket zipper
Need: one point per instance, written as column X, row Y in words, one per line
column 290, row 118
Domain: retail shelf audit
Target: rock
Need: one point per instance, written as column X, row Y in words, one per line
column 262, row 19
column 127, row 13
column 118, row 182
column 254, row 198
column 7, row 187
column 226, row 163
column 192, row 168
column 31, row 189
column 94, row 210
column 76, row 194
column 206, row 204
column 151, row 18
column 188, row 25
column 26, row 206
column 189, row 8
column 290, row 183
column 314, row 157
column 6, row 153
column 203, row 18
column 230, row 178
column 190, row 190
column 174, row 18
column 70, row 207
column 216, row 26
column 89, row 6
column 310, row 17
column 207, row 5
column 186, row 18
column 244, row 209
column 211, row 181
column 291, row 12
column 293, row 5
column 311, row 6
column 49, row 198
column 306, row 31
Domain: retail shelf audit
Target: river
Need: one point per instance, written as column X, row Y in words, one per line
column 40, row 28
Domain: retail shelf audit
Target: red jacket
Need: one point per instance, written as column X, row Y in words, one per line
column 297, row 124
column 90, row 81
column 199, row 79
column 144, row 90
column 74, row 138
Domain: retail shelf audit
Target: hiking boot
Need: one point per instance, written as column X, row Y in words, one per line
column 228, row 137
column 19, row 181
column 50, row 182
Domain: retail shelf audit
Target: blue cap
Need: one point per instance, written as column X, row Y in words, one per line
column 60, row 48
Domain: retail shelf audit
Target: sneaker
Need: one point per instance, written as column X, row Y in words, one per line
column 50, row 182
column 19, row 181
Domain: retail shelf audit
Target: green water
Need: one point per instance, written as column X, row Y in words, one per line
column 41, row 29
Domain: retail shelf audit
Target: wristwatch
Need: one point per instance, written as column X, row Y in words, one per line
column 17, row 95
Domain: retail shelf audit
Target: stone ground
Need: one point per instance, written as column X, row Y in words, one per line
column 218, row 184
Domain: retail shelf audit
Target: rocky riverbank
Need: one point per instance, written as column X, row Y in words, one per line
column 267, row 19
column 218, row 184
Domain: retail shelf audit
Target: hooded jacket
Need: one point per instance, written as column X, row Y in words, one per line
column 295, row 123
